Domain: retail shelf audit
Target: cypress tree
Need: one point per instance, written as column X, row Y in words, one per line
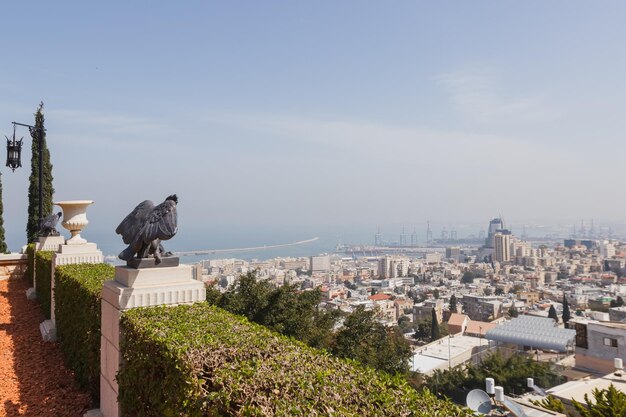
column 434, row 326
column 3, row 244
column 32, row 226
column 566, row 313
column 453, row 304
column 552, row 313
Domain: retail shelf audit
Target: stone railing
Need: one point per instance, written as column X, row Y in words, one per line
column 13, row 265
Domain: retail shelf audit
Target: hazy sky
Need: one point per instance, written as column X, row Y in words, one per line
column 292, row 117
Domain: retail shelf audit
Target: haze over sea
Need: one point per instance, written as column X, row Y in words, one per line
column 190, row 239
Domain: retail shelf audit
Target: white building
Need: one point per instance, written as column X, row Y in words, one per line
column 320, row 263
column 502, row 250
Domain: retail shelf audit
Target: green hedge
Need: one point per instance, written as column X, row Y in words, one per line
column 78, row 310
column 199, row 360
column 30, row 254
column 43, row 276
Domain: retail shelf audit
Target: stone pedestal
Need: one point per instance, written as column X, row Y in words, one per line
column 48, row 331
column 86, row 253
column 31, row 294
column 48, row 243
column 137, row 288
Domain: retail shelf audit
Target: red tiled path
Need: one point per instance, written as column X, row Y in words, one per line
column 34, row 381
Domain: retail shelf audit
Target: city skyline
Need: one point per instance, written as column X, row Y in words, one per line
column 285, row 120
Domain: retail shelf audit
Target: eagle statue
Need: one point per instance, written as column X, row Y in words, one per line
column 146, row 226
column 49, row 224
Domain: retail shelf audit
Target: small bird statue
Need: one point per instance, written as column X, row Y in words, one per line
column 49, row 224
column 146, row 226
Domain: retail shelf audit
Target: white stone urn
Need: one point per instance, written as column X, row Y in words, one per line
column 75, row 219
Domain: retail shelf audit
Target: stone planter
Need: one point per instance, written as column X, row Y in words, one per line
column 75, row 219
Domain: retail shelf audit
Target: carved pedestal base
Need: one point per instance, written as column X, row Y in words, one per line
column 151, row 262
column 49, row 243
column 48, row 331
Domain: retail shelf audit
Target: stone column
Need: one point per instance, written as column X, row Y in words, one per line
column 136, row 288
column 83, row 253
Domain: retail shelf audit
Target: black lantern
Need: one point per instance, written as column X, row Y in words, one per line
column 14, row 152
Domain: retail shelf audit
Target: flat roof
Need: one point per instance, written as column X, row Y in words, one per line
column 577, row 389
column 425, row 364
column 456, row 345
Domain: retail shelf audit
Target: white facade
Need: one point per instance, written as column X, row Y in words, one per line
column 320, row 263
column 502, row 248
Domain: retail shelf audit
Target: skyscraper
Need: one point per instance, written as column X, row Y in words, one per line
column 502, row 246
column 494, row 226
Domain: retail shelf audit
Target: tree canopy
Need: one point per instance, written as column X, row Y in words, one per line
column 366, row 340
column 609, row 402
column 567, row 315
column 296, row 313
column 552, row 313
column 434, row 326
column 453, row 303
column 509, row 372
column 468, row 277
column 284, row 309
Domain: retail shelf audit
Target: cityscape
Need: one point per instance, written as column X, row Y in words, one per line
column 475, row 287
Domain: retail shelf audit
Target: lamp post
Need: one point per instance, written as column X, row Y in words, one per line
column 14, row 153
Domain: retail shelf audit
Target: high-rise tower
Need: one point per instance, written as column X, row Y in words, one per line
column 502, row 246
column 494, row 226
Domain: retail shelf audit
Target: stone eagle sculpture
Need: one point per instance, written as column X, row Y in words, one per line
column 49, row 224
column 146, row 226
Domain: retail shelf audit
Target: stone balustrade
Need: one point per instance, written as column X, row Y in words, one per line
column 13, row 265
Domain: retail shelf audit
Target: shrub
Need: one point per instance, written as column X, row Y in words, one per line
column 78, row 310
column 199, row 360
column 30, row 265
column 43, row 275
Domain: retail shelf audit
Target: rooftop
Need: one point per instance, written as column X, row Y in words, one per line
column 537, row 332
column 577, row 389
column 379, row 297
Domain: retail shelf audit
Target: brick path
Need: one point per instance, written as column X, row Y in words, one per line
column 34, row 381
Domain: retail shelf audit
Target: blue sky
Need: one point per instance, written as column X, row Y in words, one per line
column 281, row 119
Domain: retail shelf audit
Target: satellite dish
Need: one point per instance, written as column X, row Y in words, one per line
column 479, row 401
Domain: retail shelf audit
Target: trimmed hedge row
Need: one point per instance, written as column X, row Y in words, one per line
column 199, row 360
column 30, row 265
column 43, row 276
column 78, row 311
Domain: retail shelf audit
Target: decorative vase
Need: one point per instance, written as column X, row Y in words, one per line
column 74, row 219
